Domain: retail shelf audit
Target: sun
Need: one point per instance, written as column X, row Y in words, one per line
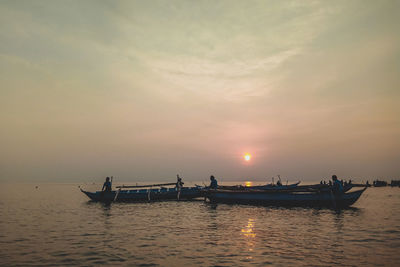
column 248, row 183
column 247, row 157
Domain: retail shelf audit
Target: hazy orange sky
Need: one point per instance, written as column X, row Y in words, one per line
column 144, row 90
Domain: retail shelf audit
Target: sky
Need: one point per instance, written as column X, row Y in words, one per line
column 145, row 90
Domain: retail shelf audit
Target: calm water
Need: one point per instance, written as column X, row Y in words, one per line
column 57, row 225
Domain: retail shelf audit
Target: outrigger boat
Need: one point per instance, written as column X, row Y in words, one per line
column 292, row 197
column 146, row 193
column 278, row 195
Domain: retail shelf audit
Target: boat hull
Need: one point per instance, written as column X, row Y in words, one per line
column 186, row 193
column 284, row 199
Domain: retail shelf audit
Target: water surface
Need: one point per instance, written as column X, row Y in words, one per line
column 55, row 224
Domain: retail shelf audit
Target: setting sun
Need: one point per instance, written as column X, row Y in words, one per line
column 247, row 184
column 247, row 157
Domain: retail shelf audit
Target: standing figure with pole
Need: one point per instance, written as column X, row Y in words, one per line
column 179, row 185
column 106, row 187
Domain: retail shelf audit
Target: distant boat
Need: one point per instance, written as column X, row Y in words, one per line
column 288, row 198
column 148, row 194
column 378, row 183
column 395, row 183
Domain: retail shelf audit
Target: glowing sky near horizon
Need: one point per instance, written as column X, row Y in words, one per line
column 144, row 90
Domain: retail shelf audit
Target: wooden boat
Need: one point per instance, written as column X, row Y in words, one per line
column 288, row 198
column 147, row 194
column 293, row 188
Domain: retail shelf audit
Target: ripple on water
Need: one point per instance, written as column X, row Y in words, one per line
column 69, row 230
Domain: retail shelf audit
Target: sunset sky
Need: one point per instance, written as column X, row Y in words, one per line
column 144, row 90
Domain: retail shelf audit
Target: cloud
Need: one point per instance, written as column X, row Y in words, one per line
column 115, row 84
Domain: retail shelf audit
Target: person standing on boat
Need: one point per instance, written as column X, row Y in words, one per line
column 337, row 186
column 179, row 183
column 107, row 185
column 213, row 183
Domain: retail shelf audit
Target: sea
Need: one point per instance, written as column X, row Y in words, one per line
column 54, row 224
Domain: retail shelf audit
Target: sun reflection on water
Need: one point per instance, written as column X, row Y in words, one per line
column 249, row 234
column 248, row 230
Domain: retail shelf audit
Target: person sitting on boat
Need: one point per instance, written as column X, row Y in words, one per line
column 107, row 185
column 279, row 183
column 179, row 183
column 337, row 185
column 214, row 183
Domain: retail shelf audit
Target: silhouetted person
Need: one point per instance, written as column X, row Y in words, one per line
column 337, row 187
column 107, row 185
column 179, row 183
column 279, row 183
column 213, row 183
